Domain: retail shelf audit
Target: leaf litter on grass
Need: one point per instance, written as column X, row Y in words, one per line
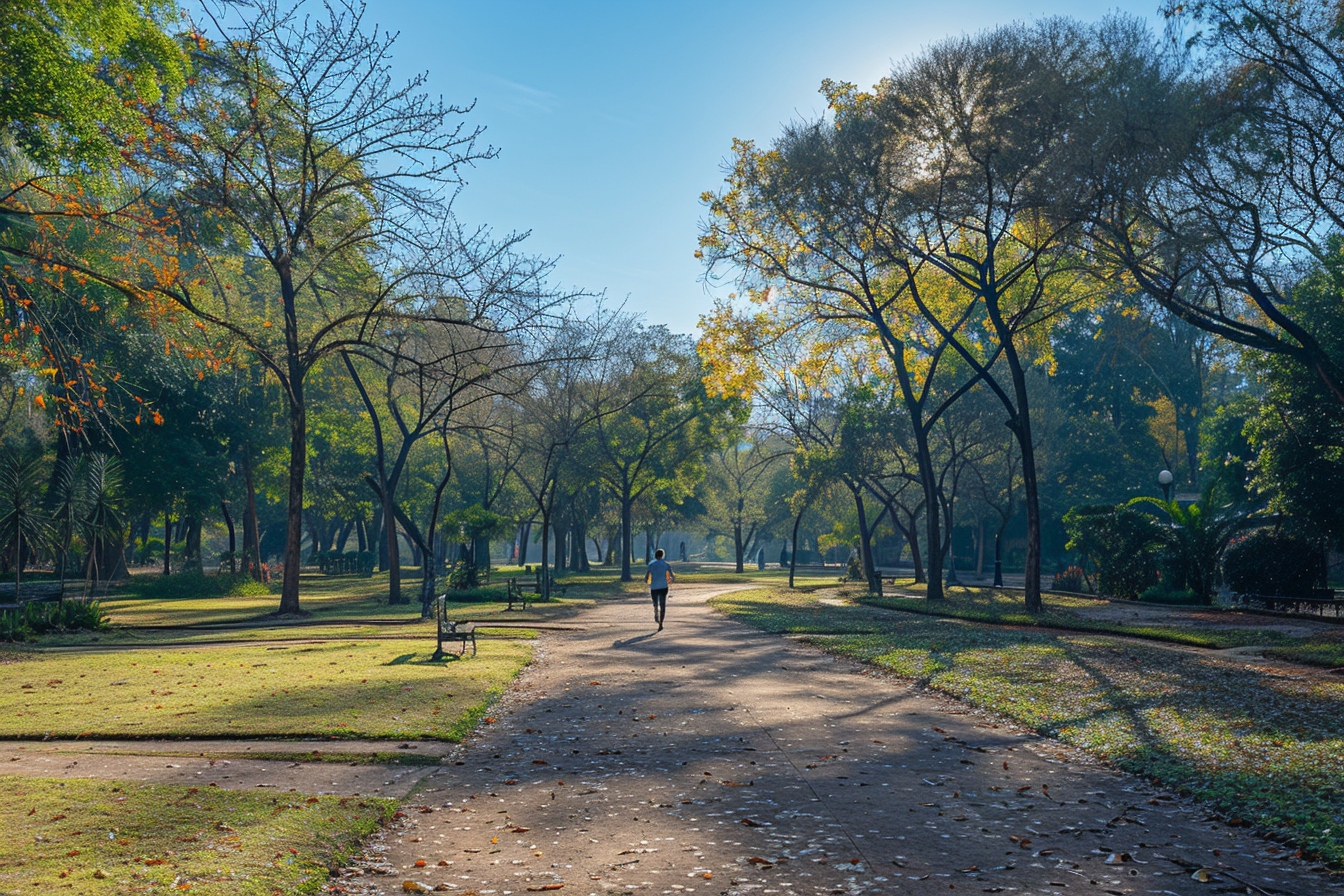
column 101, row 837
column 1263, row 744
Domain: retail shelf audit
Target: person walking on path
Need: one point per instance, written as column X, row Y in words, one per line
column 658, row 574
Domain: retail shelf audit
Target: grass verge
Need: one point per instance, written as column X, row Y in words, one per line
column 369, row 689
column 1260, row 746
column 1063, row 612
column 101, row 837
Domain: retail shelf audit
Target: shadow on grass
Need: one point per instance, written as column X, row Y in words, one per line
column 1257, row 744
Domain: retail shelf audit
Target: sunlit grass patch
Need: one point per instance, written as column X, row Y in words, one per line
column 101, row 837
column 373, row 689
column 1259, row 744
column 1067, row 612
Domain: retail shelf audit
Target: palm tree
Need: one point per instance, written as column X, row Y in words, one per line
column 1195, row 541
column 102, row 524
column 69, row 501
column 23, row 522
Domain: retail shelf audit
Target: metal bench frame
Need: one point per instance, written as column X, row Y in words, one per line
column 450, row 630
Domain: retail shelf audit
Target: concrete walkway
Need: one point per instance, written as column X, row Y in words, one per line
column 712, row 759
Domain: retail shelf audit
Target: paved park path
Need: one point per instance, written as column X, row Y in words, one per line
column 713, row 759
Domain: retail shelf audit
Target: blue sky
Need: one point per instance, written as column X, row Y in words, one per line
column 613, row 117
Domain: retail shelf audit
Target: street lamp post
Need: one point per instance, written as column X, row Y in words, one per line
column 1165, row 480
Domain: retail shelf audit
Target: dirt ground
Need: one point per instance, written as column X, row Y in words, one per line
column 709, row 758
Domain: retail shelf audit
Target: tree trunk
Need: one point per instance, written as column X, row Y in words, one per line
column 251, row 531
column 865, row 542
column 627, row 539
column 916, row 558
column 793, row 555
column 933, row 537
column 298, row 460
column 167, row 545
column 738, row 547
column 377, row 542
column 233, row 541
column 524, row 541
column 192, row 561
column 543, row 572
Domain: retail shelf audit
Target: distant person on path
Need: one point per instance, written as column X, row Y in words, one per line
column 658, row 574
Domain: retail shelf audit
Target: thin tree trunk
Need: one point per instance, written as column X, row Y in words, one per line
column 233, row 542
column 167, row 544
column 793, row 555
column 627, row 546
column 298, row 460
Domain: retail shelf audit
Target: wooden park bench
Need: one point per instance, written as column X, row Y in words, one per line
column 517, row 594
column 30, row 593
column 452, row 630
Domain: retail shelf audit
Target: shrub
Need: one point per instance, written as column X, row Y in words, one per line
column 1071, row 579
column 1174, row 597
column 463, row 576
column 1120, row 542
column 150, row 551
column 1273, row 563
column 35, row 619
column 195, row 585
column 854, row 569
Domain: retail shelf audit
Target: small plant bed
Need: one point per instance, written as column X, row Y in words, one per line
column 1261, row 745
column 364, row 689
column 101, row 837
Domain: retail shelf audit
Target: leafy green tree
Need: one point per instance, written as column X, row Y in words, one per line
column 734, row 489
column 1241, row 177
column 1297, row 429
column 653, row 422
column 78, row 77
column 298, row 145
column 1120, row 542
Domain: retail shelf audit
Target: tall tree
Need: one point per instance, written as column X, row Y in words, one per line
column 1246, row 183
column 298, row 145
column 653, row 421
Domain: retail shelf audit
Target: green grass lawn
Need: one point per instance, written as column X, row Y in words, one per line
column 1262, row 747
column 1066, row 612
column 101, row 837
column 347, row 688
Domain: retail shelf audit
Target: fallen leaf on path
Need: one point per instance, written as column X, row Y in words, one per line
column 414, row 886
column 751, row 823
column 545, row 887
column 1118, row 858
column 1202, row 875
column 518, row 830
column 757, row 860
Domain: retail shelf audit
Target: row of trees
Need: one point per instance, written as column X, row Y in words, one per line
column 939, row 246
column 231, row 261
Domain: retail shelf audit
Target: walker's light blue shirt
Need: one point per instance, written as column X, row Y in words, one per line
column 658, row 573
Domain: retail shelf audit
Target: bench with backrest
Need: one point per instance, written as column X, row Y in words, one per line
column 557, row 588
column 29, row 593
column 452, row 631
column 1321, row 601
column 516, row 594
